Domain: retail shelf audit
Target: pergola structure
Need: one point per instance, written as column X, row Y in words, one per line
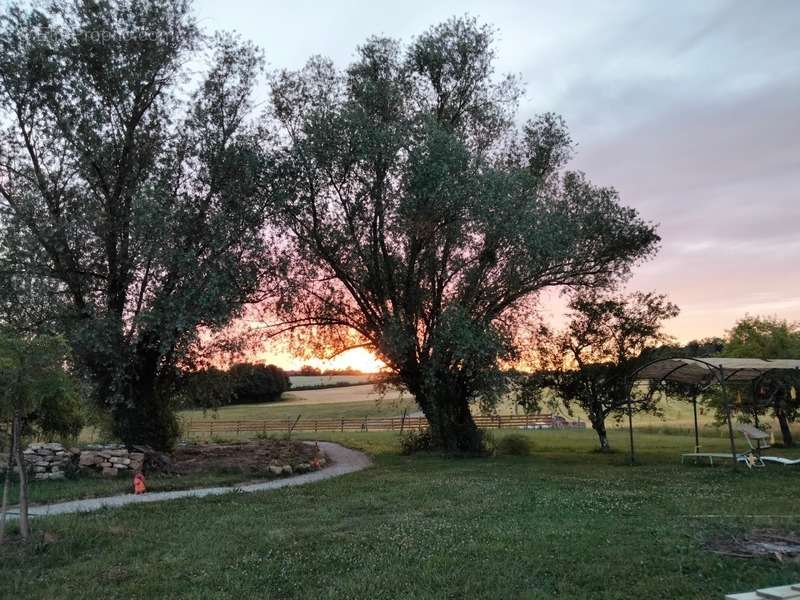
column 706, row 372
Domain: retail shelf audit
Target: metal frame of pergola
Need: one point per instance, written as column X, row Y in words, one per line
column 705, row 371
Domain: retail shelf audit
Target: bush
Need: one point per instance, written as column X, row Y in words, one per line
column 243, row 383
column 415, row 441
column 58, row 417
column 257, row 383
column 514, row 445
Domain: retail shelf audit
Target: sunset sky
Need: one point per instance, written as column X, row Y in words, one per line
column 690, row 109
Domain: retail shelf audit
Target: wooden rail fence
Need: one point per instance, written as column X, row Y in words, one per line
column 215, row 426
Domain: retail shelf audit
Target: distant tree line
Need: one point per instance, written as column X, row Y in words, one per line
column 310, row 370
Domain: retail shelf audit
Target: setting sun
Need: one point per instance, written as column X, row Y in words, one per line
column 357, row 358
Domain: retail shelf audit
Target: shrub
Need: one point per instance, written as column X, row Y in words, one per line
column 415, row 441
column 257, row 383
column 514, row 445
column 243, row 383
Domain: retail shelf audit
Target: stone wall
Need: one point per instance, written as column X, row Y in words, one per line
column 53, row 460
column 49, row 461
column 111, row 460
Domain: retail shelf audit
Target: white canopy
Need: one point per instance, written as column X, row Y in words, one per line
column 706, row 370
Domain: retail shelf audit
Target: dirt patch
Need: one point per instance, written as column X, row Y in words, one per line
column 263, row 457
column 759, row 543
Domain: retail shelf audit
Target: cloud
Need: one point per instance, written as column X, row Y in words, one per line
column 689, row 109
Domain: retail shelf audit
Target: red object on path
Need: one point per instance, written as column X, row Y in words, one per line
column 138, row 484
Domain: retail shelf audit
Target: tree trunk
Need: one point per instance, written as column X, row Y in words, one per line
column 146, row 419
column 146, row 416
column 24, row 523
column 599, row 425
column 786, row 431
column 452, row 427
column 7, row 485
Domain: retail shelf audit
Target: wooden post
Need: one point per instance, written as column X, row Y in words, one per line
column 291, row 427
column 630, row 428
column 403, row 420
column 696, row 429
column 728, row 413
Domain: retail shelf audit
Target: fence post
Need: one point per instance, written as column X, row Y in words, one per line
column 403, row 420
column 342, row 429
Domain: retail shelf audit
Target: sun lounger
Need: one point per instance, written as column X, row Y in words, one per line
column 781, row 460
column 784, row 592
column 712, row 455
column 752, row 458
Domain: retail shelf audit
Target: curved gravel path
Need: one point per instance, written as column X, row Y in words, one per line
column 344, row 460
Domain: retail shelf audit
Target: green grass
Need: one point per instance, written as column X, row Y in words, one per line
column 44, row 492
column 564, row 522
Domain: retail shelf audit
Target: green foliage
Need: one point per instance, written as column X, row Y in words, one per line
column 515, row 444
column 420, row 221
column 763, row 337
column 606, row 338
column 253, row 383
column 132, row 211
column 243, row 383
column 34, row 379
column 778, row 392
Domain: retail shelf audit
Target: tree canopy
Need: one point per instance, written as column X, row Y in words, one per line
column 606, row 338
column 36, row 393
column 129, row 218
column 765, row 337
column 422, row 222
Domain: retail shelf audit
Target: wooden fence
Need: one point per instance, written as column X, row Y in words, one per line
column 217, row 427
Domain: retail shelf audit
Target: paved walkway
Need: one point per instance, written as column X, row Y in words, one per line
column 344, row 461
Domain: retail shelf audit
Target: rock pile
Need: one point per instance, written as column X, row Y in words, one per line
column 49, row 461
column 53, row 460
column 111, row 460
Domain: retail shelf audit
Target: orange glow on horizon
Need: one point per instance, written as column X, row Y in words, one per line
column 357, row 358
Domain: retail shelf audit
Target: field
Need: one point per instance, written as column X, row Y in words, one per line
column 563, row 522
column 355, row 401
column 364, row 401
column 323, row 380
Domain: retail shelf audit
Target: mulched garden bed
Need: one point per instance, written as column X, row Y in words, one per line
column 262, row 457
column 764, row 543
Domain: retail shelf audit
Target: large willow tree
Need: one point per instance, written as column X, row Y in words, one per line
column 423, row 224
column 128, row 207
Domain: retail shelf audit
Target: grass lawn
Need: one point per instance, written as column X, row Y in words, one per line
column 563, row 522
column 44, row 492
